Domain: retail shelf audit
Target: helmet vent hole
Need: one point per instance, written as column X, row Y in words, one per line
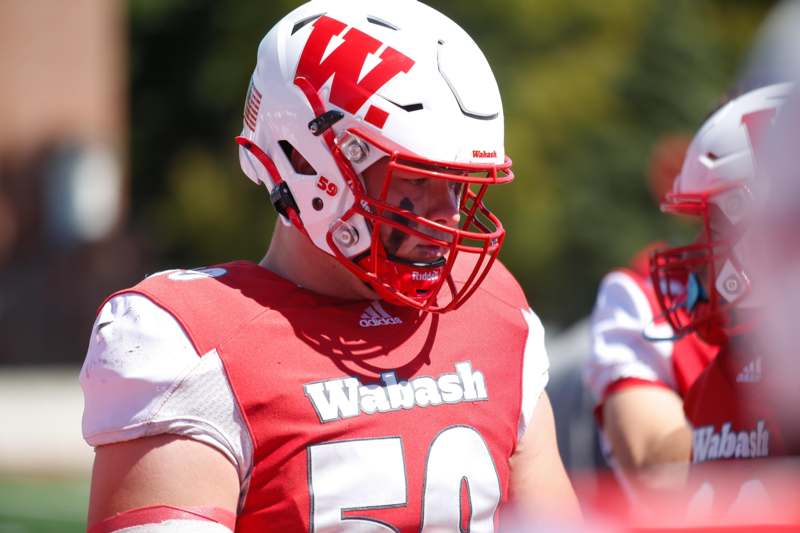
column 407, row 107
column 305, row 21
column 712, row 156
column 299, row 163
column 379, row 22
column 317, row 204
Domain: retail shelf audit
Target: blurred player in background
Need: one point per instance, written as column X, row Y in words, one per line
column 664, row 409
column 706, row 288
column 378, row 370
column 638, row 365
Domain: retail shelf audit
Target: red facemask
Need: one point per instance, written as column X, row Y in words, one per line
column 685, row 278
column 467, row 251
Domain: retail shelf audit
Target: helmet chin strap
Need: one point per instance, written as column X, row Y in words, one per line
column 413, row 279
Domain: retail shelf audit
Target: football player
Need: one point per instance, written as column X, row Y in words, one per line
column 638, row 366
column 706, row 287
column 379, row 369
column 700, row 305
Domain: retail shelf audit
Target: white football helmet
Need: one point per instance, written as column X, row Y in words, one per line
column 699, row 285
column 340, row 85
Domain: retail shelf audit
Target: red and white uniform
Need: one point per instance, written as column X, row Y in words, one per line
column 737, row 437
column 730, row 411
column 625, row 315
column 338, row 415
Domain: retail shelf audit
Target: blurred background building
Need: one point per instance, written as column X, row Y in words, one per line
column 64, row 242
column 63, row 173
column 117, row 159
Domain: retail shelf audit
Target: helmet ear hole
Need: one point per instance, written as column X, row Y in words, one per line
column 299, row 163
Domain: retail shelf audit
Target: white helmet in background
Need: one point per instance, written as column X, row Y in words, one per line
column 341, row 85
column 699, row 285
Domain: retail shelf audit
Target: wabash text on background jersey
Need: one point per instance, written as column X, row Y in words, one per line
column 739, row 470
column 731, row 412
column 336, row 413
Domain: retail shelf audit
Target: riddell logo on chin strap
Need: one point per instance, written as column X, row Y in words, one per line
column 483, row 154
column 349, row 90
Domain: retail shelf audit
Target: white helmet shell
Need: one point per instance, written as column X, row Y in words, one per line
column 722, row 152
column 397, row 69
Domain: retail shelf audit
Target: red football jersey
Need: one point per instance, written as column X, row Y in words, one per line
column 730, row 411
column 737, row 435
column 363, row 415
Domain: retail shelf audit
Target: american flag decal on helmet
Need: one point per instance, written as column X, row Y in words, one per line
column 251, row 106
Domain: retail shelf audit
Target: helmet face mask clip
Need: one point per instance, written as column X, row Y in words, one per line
column 323, row 123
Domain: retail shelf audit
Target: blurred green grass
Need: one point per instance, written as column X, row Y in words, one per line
column 43, row 505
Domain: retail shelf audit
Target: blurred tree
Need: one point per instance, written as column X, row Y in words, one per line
column 588, row 88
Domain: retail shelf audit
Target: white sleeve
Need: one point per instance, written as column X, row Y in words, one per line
column 143, row 377
column 618, row 348
column 535, row 370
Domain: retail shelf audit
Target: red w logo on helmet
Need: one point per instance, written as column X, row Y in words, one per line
column 756, row 124
column 345, row 63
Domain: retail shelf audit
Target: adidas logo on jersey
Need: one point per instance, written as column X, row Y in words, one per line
column 708, row 445
column 341, row 398
column 375, row 315
column 751, row 373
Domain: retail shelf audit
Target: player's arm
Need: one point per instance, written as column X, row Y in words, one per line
column 641, row 417
column 649, row 435
column 649, row 439
column 167, row 476
column 540, row 488
column 170, row 448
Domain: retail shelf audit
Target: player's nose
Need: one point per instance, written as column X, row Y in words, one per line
column 444, row 203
